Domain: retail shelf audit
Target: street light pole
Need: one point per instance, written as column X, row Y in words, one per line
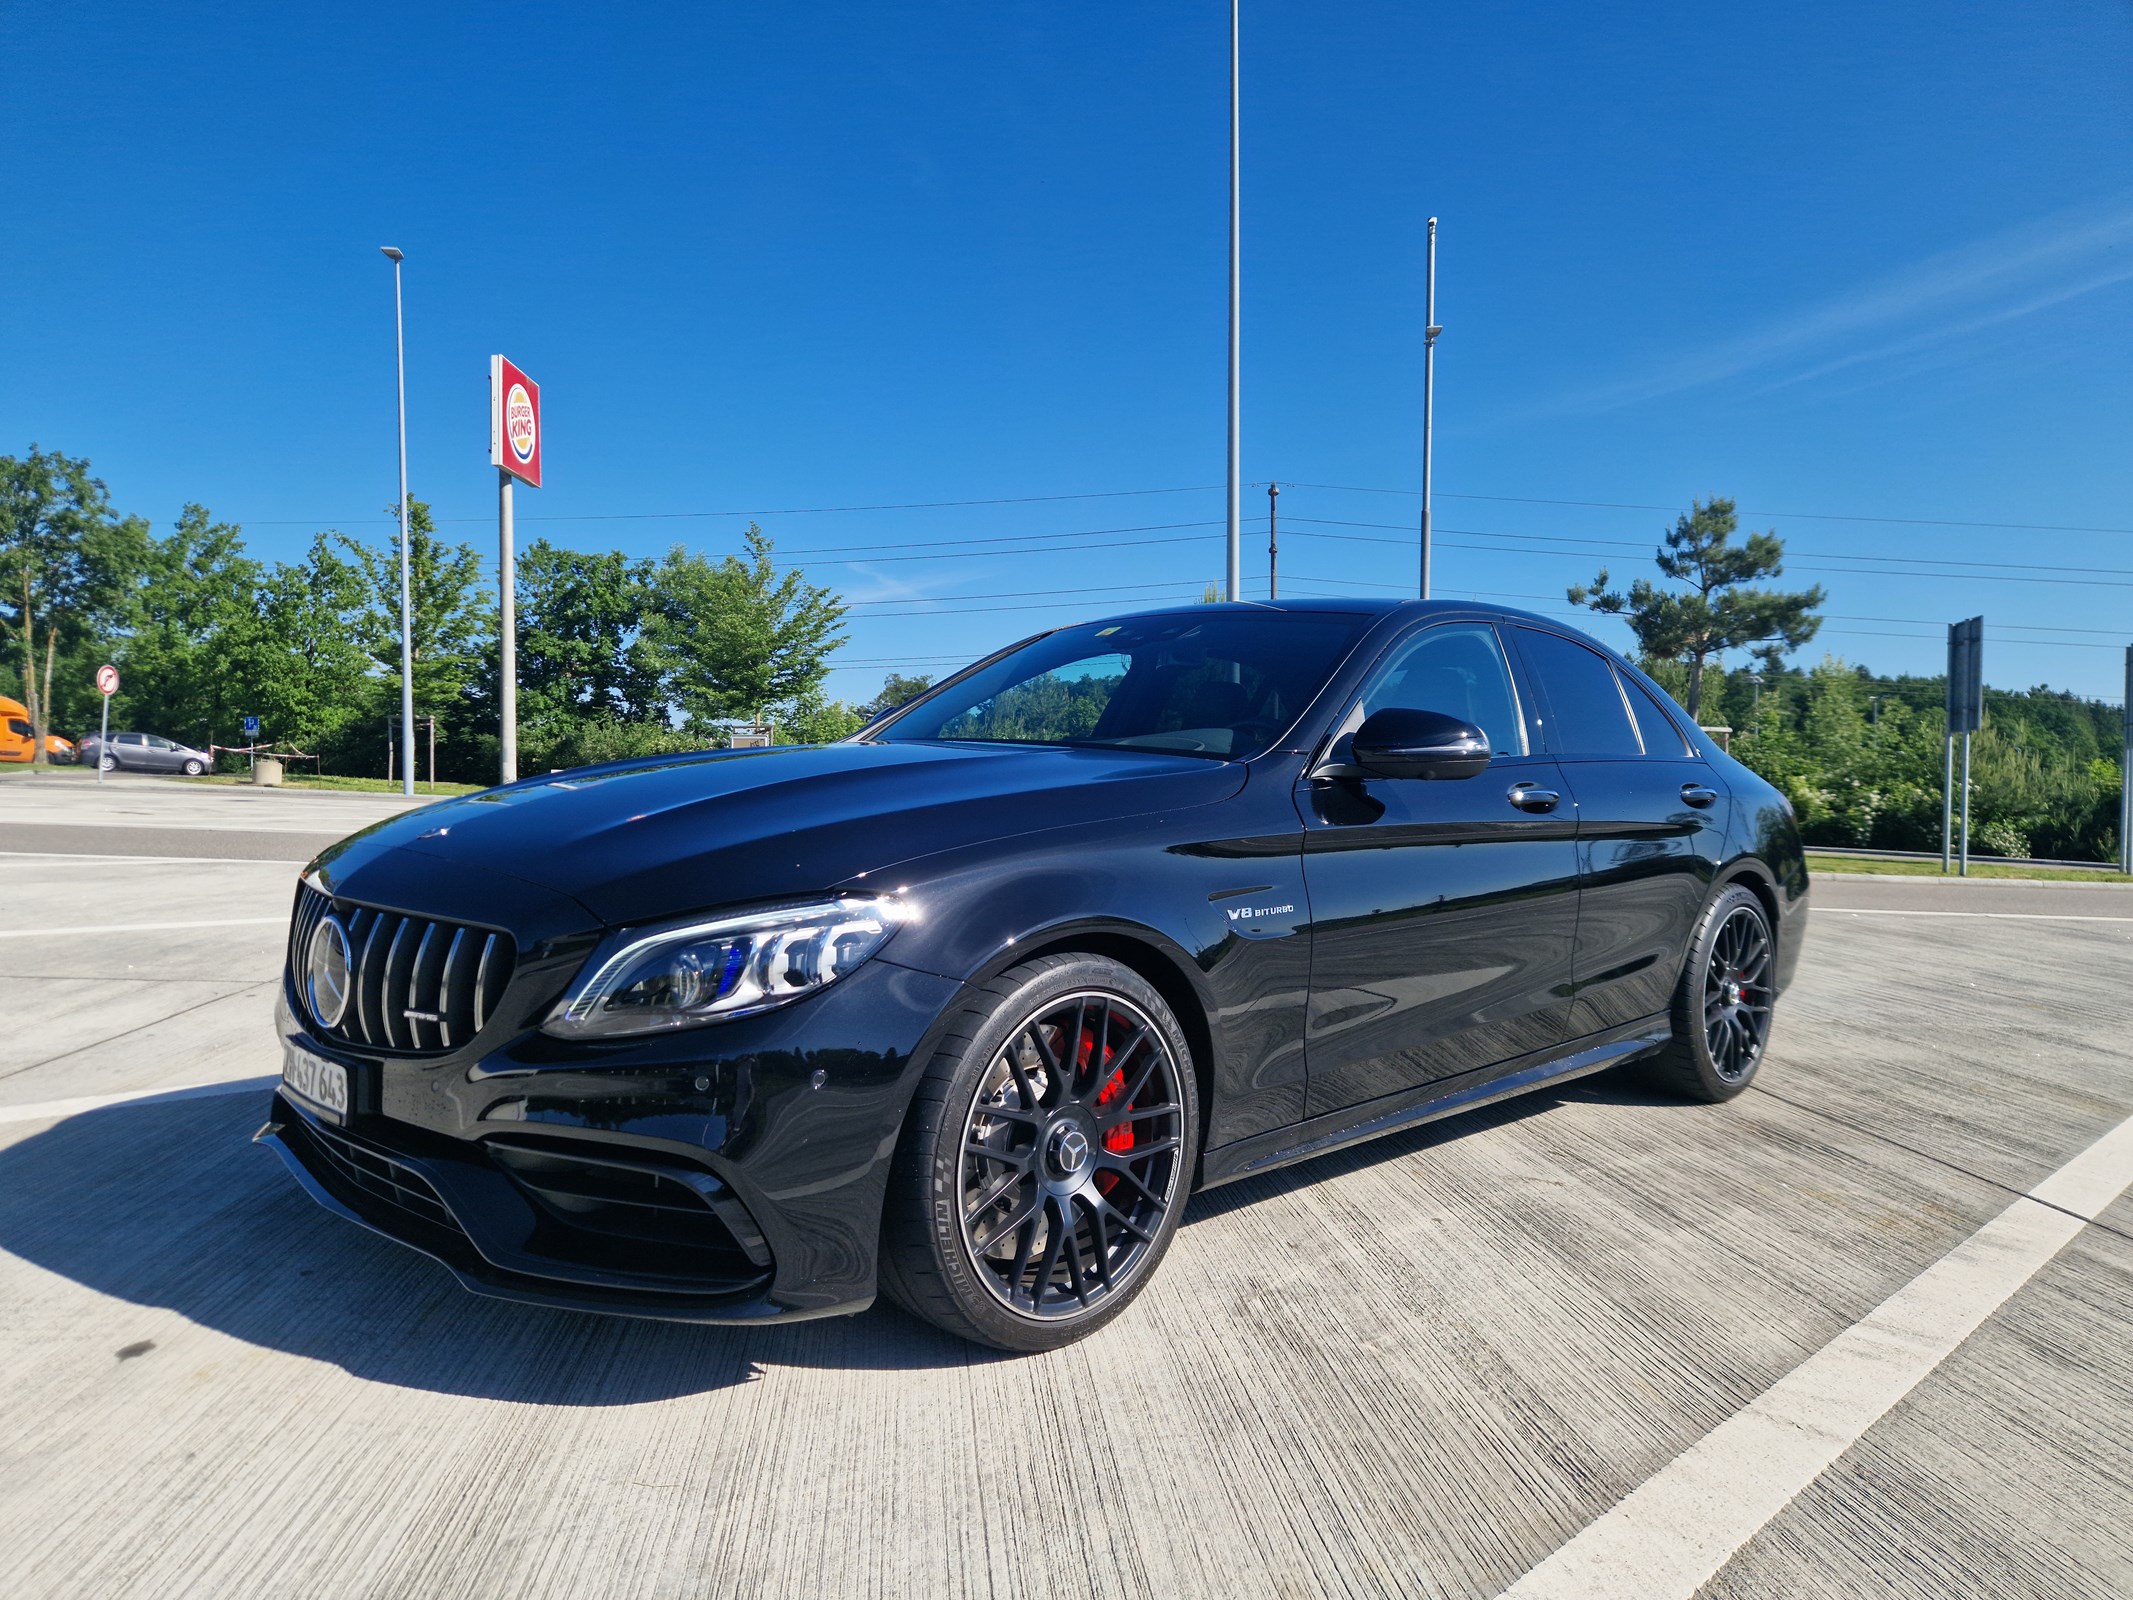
column 1235, row 588
column 407, row 629
column 1430, row 331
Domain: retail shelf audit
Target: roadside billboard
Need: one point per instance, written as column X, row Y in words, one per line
column 514, row 422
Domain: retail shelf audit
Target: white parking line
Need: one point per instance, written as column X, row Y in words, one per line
column 139, row 927
column 54, row 1110
column 2004, row 916
column 1674, row 1533
column 79, row 857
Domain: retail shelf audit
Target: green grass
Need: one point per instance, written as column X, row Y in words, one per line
column 358, row 785
column 1978, row 869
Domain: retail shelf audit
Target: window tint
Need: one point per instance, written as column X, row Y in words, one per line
column 1457, row 669
column 1661, row 736
column 16, row 725
column 1588, row 717
column 1210, row 683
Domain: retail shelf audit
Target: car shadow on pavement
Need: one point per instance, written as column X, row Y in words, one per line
column 169, row 1205
column 1620, row 1087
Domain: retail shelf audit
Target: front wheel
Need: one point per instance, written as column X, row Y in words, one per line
column 193, row 769
column 1046, row 1158
column 1723, row 1003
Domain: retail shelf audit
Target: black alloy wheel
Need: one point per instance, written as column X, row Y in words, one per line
column 1723, row 1003
column 1737, row 994
column 1047, row 1157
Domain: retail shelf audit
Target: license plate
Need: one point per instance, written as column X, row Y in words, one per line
column 320, row 1084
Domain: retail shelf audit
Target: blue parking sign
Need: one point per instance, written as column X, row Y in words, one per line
column 251, row 727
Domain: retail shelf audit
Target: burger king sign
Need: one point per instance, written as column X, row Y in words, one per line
column 514, row 421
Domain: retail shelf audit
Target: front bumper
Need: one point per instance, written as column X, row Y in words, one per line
column 732, row 1173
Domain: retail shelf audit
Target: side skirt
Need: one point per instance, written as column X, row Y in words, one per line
column 1412, row 1107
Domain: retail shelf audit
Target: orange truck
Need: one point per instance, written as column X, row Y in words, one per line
column 18, row 739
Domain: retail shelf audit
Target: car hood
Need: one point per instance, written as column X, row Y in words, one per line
column 643, row 840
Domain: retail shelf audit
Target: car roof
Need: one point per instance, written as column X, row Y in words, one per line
column 1359, row 605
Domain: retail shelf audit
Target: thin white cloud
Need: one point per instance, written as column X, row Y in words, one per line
column 2006, row 276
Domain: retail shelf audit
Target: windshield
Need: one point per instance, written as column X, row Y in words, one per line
column 1222, row 684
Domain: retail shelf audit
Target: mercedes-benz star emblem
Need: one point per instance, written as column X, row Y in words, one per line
column 326, row 972
column 1070, row 1149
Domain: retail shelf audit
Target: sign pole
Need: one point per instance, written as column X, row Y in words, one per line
column 2125, row 777
column 107, row 682
column 1966, row 714
column 1947, row 801
column 1965, row 871
column 507, row 634
column 515, row 452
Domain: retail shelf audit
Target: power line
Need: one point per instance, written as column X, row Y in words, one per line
column 1627, row 544
column 784, row 511
column 1797, row 516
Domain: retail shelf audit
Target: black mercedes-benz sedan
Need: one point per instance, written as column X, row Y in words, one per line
column 964, row 1007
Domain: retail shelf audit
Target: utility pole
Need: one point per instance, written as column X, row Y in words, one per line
column 1273, row 545
column 1429, row 390
column 1236, row 337
column 407, row 624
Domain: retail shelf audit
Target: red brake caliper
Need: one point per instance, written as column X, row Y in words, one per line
column 1120, row 1138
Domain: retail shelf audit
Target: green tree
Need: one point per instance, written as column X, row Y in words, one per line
column 733, row 638
column 896, row 689
column 581, row 646
column 1715, row 611
column 450, row 617
column 193, row 611
column 62, row 558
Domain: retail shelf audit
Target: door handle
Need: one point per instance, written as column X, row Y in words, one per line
column 1698, row 795
column 1529, row 797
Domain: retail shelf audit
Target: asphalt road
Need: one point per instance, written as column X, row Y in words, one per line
column 1814, row 1343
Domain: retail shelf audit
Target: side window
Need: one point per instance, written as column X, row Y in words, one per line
column 157, row 742
column 1458, row 669
column 18, row 727
column 1661, row 736
column 132, row 738
column 1586, row 711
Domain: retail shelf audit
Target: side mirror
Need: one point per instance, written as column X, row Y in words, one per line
column 1399, row 743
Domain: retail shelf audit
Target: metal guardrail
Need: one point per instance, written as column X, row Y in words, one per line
column 1975, row 858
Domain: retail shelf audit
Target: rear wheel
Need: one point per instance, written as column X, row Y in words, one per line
column 1723, row 1003
column 108, row 763
column 1046, row 1158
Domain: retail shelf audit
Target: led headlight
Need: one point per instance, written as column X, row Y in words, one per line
column 645, row 980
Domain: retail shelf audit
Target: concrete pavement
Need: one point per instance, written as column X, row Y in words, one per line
column 1417, row 1367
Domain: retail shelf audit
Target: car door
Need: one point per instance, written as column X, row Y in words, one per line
column 1442, row 911
column 131, row 750
column 1651, row 827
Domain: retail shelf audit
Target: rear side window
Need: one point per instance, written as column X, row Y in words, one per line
column 1662, row 737
column 1586, row 714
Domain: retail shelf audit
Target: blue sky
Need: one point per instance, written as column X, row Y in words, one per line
column 1848, row 265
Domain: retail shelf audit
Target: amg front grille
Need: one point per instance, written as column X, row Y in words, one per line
column 415, row 986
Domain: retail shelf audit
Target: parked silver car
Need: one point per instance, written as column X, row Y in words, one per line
column 145, row 752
